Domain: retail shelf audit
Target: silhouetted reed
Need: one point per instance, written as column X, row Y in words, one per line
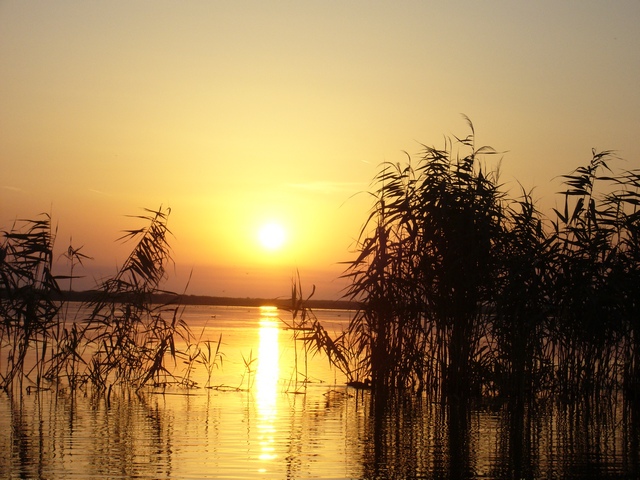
column 465, row 292
column 425, row 272
column 309, row 332
column 595, row 287
column 522, row 304
column 125, row 339
column 28, row 305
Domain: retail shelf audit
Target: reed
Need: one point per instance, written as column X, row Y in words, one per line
column 308, row 332
column 592, row 277
column 462, row 291
column 249, row 371
column 132, row 339
column 211, row 358
column 125, row 340
column 525, row 272
column 28, row 305
column 425, row 270
column 623, row 217
column 465, row 292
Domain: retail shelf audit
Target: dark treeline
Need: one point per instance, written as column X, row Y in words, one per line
column 466, row 292
column 186, row 299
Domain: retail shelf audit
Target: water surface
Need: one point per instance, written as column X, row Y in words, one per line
column 262, row 420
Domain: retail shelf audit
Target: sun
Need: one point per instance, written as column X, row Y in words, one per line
column 271, row 236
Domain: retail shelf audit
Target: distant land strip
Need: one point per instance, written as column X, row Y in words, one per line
column 174, row 298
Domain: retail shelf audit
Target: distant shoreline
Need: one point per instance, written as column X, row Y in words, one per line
column 173, row 298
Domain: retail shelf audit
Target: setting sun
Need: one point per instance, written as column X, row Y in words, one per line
column 271, row 236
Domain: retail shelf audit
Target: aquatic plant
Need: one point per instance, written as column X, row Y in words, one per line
column 526, row 255
column 211, row 358
column 133, row 339
column 126, row 339
column 249, row 369
column 29, row 302
column 624, row 277
column 308, row 331
column 596, row 286
column 465, row 292
column 425, row 271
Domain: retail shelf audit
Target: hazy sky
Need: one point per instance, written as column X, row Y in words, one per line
column 238, row 113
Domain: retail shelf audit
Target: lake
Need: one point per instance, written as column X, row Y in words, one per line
column 261, row 419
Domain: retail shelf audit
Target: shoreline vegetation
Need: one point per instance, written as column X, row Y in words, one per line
column 128, row 333
column 461, row 295
column 458, row 290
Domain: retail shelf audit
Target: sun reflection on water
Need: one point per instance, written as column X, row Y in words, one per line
column 267, row 381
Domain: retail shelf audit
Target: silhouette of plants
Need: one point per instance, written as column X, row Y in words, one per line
column 124, row 339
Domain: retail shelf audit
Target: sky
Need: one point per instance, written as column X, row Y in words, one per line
column 239, row 114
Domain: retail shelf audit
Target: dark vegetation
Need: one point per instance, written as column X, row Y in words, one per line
column 468, row 293
column 133, row 335
column 126, row 339
column 460, row 292
column 472, row 299
column 186, row 299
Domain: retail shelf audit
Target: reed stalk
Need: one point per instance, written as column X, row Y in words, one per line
column 465, row 292
column 125, row 340
column 425, row 271
column 28, row 305
column 309, row 332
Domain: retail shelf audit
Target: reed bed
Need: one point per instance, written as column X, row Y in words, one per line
column 466, row 293
column 463, row 292
column 466, row 297
column 125, row 339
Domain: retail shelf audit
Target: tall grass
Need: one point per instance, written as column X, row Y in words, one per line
column 522, row 302
column 131, row 340
column 125, row 339
column 466, row 292
column 310, row 336
column 425, row 270
column 28, row 305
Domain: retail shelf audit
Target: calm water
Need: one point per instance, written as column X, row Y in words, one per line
column 259, row 422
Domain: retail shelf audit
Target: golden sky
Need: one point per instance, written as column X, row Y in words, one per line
column 237, row 114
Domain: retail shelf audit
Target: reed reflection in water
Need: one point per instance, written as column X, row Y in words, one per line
column 325, row 431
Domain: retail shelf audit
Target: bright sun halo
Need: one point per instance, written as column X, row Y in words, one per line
column 271, row 236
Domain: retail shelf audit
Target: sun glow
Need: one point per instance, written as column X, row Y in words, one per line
column 272, row 236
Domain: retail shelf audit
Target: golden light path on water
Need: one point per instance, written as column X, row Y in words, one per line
column 267, row 375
